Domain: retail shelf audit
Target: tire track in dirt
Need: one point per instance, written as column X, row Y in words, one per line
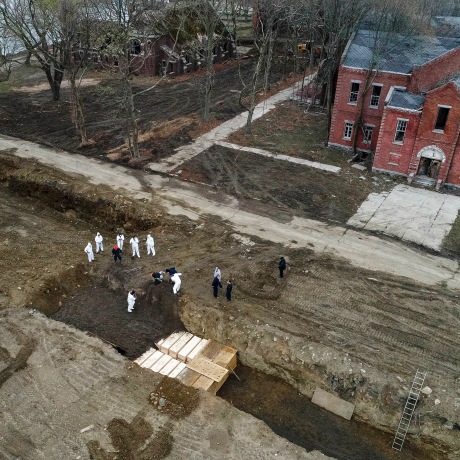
column 393, row 330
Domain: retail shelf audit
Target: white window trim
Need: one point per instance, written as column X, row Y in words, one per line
column 366, row 142
column 440, row 106
column 351, row 131
column 349, row 92
column 396, row 130
column 380, row 96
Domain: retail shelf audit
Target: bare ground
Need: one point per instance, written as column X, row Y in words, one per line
column 327, row 323
column 350, row 331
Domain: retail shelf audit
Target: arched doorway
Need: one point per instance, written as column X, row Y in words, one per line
column 431, row 159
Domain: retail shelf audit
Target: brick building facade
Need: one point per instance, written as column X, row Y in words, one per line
column 405, row 110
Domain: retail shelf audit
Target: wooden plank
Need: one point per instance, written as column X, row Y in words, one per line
column 203, row 383
column 226, row 358
column 208, row 368
column 174, row 350
column 217, row 385
column 332, row 403
column 177, row 370
column 188, row 376
column 197, row 350
column 211, row 349
column 160, row 363
column 159, row 342
column 144, row 356
column 170, row 366
column 152, row 359
column 170, row 341
column 191, row 344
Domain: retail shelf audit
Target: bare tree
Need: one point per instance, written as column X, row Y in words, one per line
column 203, row 34
column 8, row 50
column 391, row 24
column 269, row 13
column 36, row 24
column 76, row 25
column 126, row 34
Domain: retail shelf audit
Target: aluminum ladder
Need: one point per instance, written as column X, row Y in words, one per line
column 409, row 409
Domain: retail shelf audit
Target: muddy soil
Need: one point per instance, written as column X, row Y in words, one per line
column 101, row 309
column 358, row 334
column 291, row 415
column 28, row 113
column 282, row 187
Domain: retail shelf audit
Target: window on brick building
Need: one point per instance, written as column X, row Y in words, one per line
column 354, row 92
column 441, row 119
column 401, row 127
column 348, row 130
column 375, row 97
column 368, row 131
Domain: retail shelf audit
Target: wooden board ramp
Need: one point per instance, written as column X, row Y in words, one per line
column 194, row 361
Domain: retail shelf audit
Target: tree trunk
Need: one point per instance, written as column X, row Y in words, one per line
column 77, row 114
column 268, row 63
column 133, row 133
column 209, row 77
column 255, row 80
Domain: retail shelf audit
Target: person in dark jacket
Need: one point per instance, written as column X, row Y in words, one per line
column 216, row 284
column 228, row 293
column 116, row 251
column 282, row 266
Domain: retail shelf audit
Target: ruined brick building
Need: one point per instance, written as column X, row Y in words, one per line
column 401, row 103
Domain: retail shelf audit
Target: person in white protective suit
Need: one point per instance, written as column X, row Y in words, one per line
column 218, row 274
column 131, row 300
column 150, row 245
column 98, row 239
column 134, row 241
column 120, row 240
column 177, row 282
column 89, row 252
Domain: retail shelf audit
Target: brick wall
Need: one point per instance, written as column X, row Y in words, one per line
column 447, row 139
column 426, row 77
column 344, row 111
column 390, row 155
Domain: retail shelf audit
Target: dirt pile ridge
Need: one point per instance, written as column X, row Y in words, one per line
column 65, row 395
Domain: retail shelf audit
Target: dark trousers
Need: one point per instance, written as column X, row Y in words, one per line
column 117, row 257
column 282, row 272
column 216, row 290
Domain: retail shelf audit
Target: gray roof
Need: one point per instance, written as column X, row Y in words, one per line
column 408, row 101
column 456, row 81
column 397, row 53
column 446, row 26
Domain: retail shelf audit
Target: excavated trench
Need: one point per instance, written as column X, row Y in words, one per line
column 100, row 309
column 95, row 301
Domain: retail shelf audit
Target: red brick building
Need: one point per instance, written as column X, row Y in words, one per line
column 405, row 109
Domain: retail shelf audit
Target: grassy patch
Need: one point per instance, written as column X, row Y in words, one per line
column 288, row 130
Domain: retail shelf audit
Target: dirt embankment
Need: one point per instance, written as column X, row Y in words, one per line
column 359, row 334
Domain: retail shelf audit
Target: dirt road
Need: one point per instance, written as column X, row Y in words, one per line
column 360, row 249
